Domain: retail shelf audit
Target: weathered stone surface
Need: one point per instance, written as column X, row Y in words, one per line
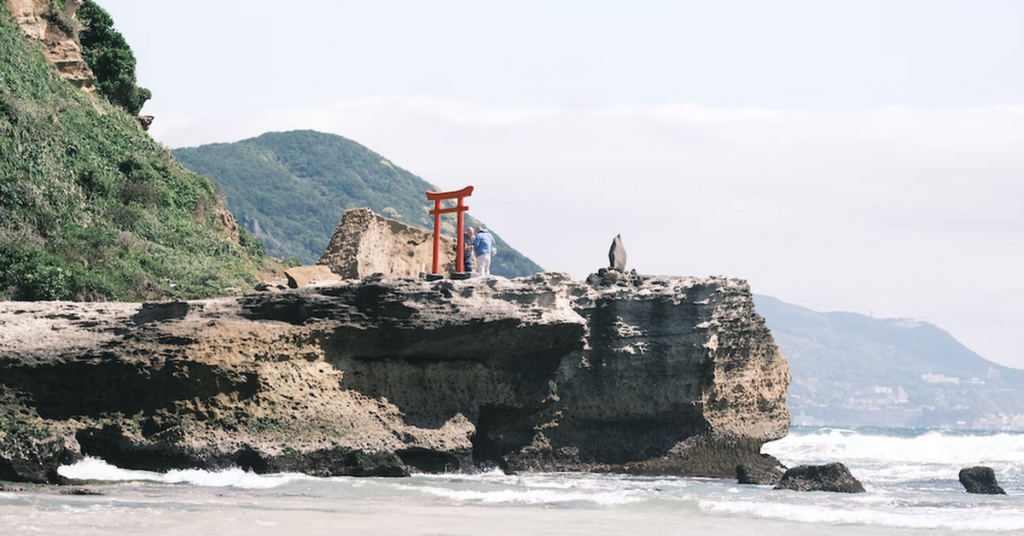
column 833, row 477
column 146, row 121
column 382, row 376
column 759, row 475
column 617, row 255
column 300, row 276
column 980, row 480
column 365, row 243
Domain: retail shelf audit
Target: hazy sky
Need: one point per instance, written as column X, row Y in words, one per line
column 861, row 156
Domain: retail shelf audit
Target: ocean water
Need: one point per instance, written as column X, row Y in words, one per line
column 910, row 476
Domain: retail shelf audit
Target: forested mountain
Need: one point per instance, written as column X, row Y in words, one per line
column 90, row 206
column 854, row 370
column 290, row 189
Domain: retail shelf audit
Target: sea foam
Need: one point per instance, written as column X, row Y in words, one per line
column 918, row 518
column 96, row 469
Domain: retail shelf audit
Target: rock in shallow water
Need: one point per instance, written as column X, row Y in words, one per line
column 830, row 477
column 759, row 475
column 980, row 480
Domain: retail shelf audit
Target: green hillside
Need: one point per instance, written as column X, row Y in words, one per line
column 854, row 370
column 91, row 207
column 290, row 189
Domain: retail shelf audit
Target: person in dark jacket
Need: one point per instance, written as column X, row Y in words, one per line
column 467, row 250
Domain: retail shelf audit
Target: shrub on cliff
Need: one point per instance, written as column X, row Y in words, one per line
column 91, row 207
column 110, row 58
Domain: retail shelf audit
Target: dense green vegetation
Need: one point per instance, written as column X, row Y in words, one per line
column 110, row 58
column 291, row 188
column 90, row 206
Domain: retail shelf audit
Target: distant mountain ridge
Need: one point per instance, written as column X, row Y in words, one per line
column 290, row 188
column 854, row 370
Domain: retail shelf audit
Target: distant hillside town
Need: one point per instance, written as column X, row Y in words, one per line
column 854, row 370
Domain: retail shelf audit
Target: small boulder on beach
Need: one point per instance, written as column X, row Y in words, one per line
column 981, row 480
column 830, row 477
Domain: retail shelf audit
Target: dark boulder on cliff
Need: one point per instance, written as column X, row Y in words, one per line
column 833, row 477
column 980, row 480
column 617, row 255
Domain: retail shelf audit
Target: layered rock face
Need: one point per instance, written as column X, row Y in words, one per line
column 41, row 20
column 365, row 244
column 383, row 376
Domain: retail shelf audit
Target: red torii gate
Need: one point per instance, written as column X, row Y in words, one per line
column 460, row 209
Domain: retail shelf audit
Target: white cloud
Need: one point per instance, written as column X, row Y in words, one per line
column 896, row 211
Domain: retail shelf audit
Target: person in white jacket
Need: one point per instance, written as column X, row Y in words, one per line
column 483, row 248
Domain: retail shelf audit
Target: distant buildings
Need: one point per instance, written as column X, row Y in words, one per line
column 929, row 377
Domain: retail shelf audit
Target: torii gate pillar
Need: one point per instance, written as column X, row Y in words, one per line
column 460, row 209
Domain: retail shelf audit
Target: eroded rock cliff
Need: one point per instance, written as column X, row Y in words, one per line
column 56, row 28
column 665, row 375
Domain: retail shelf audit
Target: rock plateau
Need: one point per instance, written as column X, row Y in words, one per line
column 383, row 376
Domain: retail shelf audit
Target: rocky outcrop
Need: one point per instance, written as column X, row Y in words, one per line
column 662, row 375
column 365, row 244
column 980, row 480
column 56, row 29
column 759, row 475
column 834, row 477
column 146, row 121
column 300, row 276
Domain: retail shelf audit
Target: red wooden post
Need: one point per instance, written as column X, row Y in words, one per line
column 437, row 234
column 437, row 198
column 460, row 262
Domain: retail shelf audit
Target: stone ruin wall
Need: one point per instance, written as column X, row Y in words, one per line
column 366, row 243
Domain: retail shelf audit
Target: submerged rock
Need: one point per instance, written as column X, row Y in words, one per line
column 833, row 477
column 383, row 376
column 85, row 492
column 980, row 480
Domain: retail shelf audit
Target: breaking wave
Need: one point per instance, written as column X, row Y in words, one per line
column 904, row 455
column 96, row 469
column 911, row 477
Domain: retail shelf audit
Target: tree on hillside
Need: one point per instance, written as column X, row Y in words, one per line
column 110, row 58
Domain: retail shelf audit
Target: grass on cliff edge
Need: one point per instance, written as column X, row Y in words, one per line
column 91, row 208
